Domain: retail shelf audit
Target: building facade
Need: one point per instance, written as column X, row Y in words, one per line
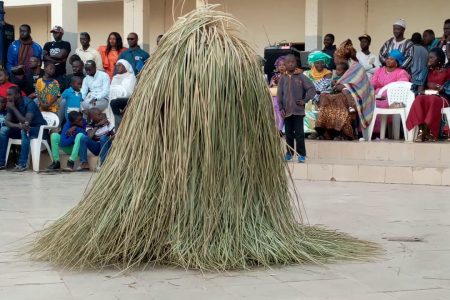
column 266, row 21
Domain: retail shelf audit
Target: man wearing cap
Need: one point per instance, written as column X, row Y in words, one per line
column 368, row 60
column 399, row 42
column 57, row 52
column 21, row 50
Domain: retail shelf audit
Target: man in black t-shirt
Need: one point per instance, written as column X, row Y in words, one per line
column 57, row 52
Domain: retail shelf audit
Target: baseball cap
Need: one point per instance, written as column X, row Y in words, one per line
column 57, row 29
column 365, row 36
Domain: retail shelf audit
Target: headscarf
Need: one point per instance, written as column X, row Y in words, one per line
column 346, row 50
column 316, row 56
column 398, row 56
column 126, row 80
column 280, row 60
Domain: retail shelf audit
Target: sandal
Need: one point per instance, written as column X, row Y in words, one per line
column 420, row 137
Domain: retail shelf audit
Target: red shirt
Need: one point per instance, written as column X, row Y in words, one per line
column 4, row 88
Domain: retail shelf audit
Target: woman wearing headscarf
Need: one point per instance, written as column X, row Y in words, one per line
column 352, row 90
column 386, row 75
column 433, row 96
column 320, row 75
column 280, row 70
column 122, row 87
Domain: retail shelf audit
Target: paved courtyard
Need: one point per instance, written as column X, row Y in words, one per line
column 376, row 212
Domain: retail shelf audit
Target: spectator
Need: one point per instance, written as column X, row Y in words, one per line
column 280, row 70
column 385, row 75
column 95, row 88
column 70, row 99
column 68, row 141
column 98, row 139
column 294, row 90
column 27, row 81
column 77, row 71
column 426, row 108
column 21, row 50
column 368, row 60
column 4, row 83
column 445, row 41
column 329, row 48
column 398, row 42
column 86, row 52
column 57, row 52
column 47, row 90
column 320, row 76
column 111, row 52
column 419, row 62
column 429, row 39
column 391, row 72
column 124, row 82
column 23, row 115
column 134, row 55
column 353, row 89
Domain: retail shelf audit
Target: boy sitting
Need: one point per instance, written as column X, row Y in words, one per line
column 68, row 140
column 100, row 133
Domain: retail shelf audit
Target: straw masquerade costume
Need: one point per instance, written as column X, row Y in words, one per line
column 195, row 176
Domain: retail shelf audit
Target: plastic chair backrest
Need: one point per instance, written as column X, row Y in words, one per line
column 400, row 92
column 117, row 92
column 51, row 119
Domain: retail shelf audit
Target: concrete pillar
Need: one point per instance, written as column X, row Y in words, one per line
column 313, row 25
column 64, row 13
column 136, row 16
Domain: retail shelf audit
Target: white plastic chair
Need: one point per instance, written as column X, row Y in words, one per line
column 446, row 112
column 8, row 148
column 397, row 92
column 35, row 144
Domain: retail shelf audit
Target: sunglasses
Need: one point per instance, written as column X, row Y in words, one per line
column 130, row 39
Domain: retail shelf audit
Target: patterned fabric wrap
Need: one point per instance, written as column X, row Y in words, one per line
column 358, row 84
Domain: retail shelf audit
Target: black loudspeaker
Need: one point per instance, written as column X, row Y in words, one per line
column 271, row 54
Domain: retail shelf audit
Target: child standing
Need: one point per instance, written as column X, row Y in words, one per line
column 47, row 90
column 68, row 140
column 71, row 98
column 294, row 90
column 100, row 133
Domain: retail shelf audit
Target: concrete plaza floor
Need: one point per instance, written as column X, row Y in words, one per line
column 376, row 212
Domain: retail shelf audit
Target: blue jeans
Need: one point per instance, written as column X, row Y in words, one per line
column 96, row 147
column 24, row 149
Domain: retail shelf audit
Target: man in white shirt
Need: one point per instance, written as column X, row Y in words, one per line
column 368, row 60
column 95, row 88
column 86, row 52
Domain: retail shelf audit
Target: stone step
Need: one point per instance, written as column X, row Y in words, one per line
column 394, row 151
column 373, row 171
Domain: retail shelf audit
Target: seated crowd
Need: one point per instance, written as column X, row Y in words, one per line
column 336, row 98
column 88, row 102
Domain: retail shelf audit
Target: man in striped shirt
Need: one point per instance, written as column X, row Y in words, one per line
column 399, row 42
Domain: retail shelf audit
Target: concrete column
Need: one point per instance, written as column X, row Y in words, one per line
column 64, row 13
column 136, row 16
column 313, row 25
